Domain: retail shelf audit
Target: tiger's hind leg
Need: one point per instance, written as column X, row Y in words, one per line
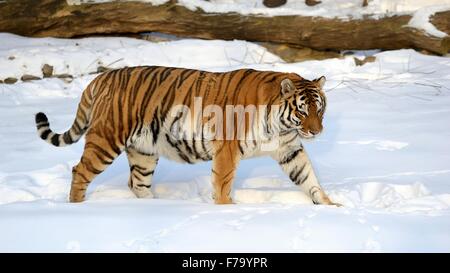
column 142, row 167
column 95, row 159
column 225, row 162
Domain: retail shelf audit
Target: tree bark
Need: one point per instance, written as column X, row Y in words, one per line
column 40, row 18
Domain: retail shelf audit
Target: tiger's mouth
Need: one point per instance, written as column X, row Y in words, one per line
column 306, row 135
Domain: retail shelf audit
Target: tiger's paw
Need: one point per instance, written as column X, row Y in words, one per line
column 142, row 191
column 335, row 204
column 331, row 203
column 222, row 200
column 325, row 200
column 76, row 197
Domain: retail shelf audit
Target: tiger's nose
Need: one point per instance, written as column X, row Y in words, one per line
column 315, row 131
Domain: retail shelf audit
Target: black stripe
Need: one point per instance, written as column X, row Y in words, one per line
column 155, row 126
column 84, row 116
column 303, row 179
column 284, row 123
column 238, row 87
column 83, row 177
column 67, row 138
column 294, row 178
column 208, row 156
column 135, row 176
column 241, row 150
column 141, row 170
column 40, row 125
column 273, row 79
column 90, row 167
column 102, row 160
column 180, row 153
column 194, row 149
column 166, row 71
column 121, row 80
column 224, row 91
column 76, row 126
column 263, row 79
column 183, row 77
column 143, row 185
column 199, row 82
column 55, row 139
column 187, row 147
column 219, row 84
column 227, row 176
column 101, row 150
column 113, row 146
column 149, row 91
column 131, row 182
column 294, row 174
column 146, row 154
column 168, row 100
column 45, row 134
column 290, row 157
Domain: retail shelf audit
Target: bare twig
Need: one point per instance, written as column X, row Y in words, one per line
column 226, row 56
column 245, row 54
column 443, row 86
column 340, row 83
column 422, row 72
column 251, row 55
column 94, row 61
column 262, row 56
column 118, row 60
column 417, row 97
column 349, row 87
column 240, row 62
column 430, row 85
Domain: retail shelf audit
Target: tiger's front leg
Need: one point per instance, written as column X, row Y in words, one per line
column 296, row 164
column 225, row 161
column 142, row 167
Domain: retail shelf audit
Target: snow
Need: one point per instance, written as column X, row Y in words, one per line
column 421, row 20
column 343, row 9
column 81, row 57
column 384, row 155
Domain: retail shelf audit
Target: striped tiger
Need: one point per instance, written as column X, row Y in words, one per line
column 131, row 110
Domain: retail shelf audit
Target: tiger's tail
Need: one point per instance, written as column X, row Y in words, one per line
column 78, row 128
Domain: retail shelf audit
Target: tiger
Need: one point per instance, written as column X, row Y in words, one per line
column 130, row 109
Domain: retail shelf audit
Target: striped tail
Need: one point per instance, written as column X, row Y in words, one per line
column 79, row 126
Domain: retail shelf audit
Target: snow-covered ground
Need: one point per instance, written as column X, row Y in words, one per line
column 384, row 154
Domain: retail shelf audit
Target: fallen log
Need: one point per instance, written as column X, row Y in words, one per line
column 56, row 18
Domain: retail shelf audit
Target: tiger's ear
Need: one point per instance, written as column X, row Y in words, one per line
column 321, row 81
column 287, row 88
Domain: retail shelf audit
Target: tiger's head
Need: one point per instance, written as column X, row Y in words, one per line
column 303, row 106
